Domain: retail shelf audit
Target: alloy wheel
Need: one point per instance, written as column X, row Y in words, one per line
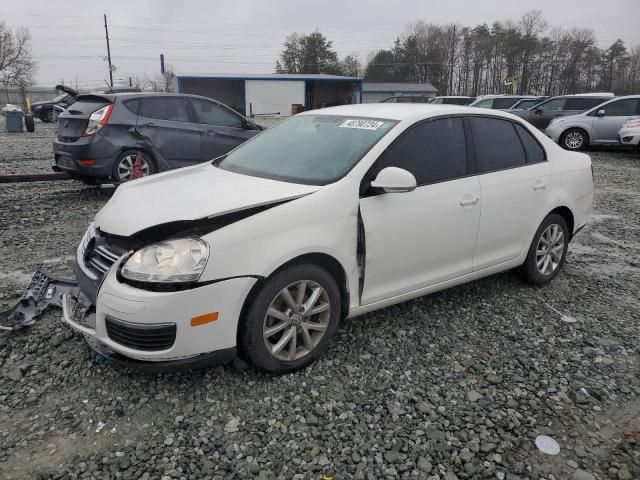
column 550, row 249
column 125, row 168
column 52, row 115
column 574, row 140
column 296, row 320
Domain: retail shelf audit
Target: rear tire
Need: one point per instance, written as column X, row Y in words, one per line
column 123, row 166
column 282, row 332
column 548, row 251
column 29, row 123
column 574, row 139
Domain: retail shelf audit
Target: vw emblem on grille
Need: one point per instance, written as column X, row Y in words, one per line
column 65, row 124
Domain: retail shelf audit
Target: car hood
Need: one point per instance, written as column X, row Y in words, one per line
column 192, row 193
column 39, row 104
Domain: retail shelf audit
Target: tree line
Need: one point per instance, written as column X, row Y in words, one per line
column 526, row 55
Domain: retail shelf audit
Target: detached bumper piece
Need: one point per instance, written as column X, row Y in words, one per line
column 44, row 289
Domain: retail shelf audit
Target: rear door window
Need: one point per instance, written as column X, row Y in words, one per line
column 209, row 113
column 165, row 108
column 535, row 153
column 497, row 144
column 433, row 151
column 582, row 104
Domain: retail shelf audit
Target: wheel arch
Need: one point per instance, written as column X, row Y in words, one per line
column 326, row 261
column 566, row 213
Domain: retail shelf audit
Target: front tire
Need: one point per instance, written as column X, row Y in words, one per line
column 548, row 251
column 52, row 116
column 291, row 320
column 574, row 139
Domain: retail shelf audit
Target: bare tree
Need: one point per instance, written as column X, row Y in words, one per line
column 17, row 67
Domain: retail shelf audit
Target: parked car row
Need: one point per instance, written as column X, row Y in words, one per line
column 121, row 136
column 575, row 121
column 600, row 125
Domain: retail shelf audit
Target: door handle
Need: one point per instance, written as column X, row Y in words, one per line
column 211, row 133
column 150, row 124
column 539, row 185
column 469, row 200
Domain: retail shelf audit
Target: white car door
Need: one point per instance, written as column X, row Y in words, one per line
column 605, row 127
column 420, row 238
column 514, row 178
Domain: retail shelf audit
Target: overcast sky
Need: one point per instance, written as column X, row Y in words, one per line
column 245, row 36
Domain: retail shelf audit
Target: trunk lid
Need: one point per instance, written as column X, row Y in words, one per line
column 67, row 89
column 73, row 121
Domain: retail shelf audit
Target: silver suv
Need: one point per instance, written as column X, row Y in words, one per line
column 597, row 126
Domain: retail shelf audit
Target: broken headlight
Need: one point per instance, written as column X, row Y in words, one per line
column 181, row 260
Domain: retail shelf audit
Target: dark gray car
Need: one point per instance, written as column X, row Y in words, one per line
column 100, row 135
column 541, row 114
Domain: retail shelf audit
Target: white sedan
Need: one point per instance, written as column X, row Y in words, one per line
column 331, row 213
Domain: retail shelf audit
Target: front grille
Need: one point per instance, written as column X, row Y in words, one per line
column 100, row 255
column 149, row 338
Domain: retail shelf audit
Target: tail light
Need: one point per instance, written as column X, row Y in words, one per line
column 97, row 120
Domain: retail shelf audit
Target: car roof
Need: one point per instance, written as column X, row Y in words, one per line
column 452, row 96
column 410, row 112
column 129, row 95
column 504, row 95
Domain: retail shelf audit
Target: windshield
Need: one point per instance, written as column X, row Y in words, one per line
column 60, row 97
column 308, row 149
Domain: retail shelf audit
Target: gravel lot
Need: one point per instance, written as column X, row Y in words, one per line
column 454, row 385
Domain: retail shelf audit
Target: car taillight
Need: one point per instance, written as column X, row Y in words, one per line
column 97, row 120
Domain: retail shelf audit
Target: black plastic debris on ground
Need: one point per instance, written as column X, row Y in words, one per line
column 44, row 289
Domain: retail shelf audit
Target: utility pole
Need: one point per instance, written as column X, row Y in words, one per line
column 106, row 31
column 453, row 49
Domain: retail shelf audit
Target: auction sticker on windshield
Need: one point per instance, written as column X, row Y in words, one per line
column 362, row 124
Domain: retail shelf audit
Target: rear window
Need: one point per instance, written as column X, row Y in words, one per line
column 88, row 105
column 165, row 108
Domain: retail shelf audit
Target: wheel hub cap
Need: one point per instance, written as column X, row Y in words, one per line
column 550, row 249
column 573, row 140
column 296, row 320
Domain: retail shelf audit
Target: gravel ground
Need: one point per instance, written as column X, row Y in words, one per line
column 455, row 385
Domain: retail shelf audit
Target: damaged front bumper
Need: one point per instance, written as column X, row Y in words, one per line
column 82, row 318
column 79, row 313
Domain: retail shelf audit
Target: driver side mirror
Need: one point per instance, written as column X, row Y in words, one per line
column 537, row 110
column 601, row 113
column 394, row 180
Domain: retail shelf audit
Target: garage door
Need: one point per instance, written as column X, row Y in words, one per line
column 273, row 96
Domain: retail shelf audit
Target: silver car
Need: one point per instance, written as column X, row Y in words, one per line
column 598, row 126
column 629, row 134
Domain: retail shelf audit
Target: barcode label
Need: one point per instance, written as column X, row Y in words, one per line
column 362, row 124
